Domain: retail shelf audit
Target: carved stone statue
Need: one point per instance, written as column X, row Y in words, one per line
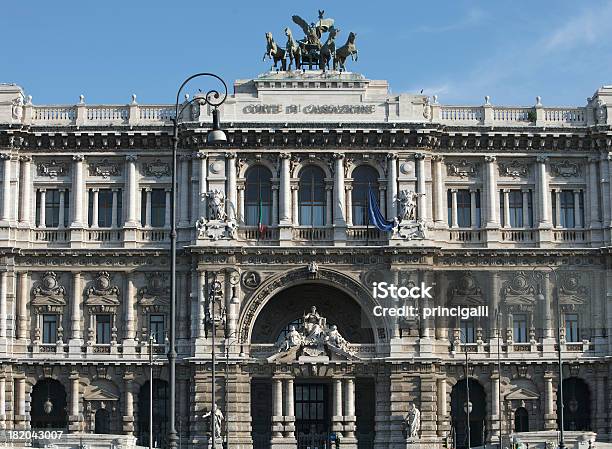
column 216, row 205
column 215, row 414
column 292, row 339
column 293, row 50
column 274, row 52
column 348, row 49
column 413, row 422
column 407, row 202
column 601, row 112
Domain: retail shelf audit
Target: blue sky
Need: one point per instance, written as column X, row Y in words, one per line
column 459, row 50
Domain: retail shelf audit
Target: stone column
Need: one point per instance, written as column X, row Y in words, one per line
column 274, row 204
column 391, row 186
column 232, row 193
column 495, row 406
column 148, row 192
column 442, row 408
column 506, row 193
column 558, row 208
column 203, row 188
column 550, row 417
column 77, row 290
column 183, row 192
column 201, row 303
column 131, row 190
column 328, row 204
column 491, row 193
column 439, row 197
column 241, row 206
column 19, row 405
column 295, row 203
column 277, row 408
column 382, row 199
column 3, row 307
column 22, row 306
column 128, row 418
column 25, row 206
column 6, row 187
column 78, row 190
column 473, row 215
column 577, row 216
column 130, row 322
column 114, row 209
column 285, row 190
column 548, row 325
column 349, row 410
column 2, row 402
column 429, row 418
column 526, row 216
column 337, row 416
column 168, row 205
column 421, row 175
column 349, row 206
column 94, row 214
column 289, row 409
column 42, row 219
column 339, row 193
column 593, row 195
column 454, row 223
column 494, row 291
column 74, row 401
column 544, row 217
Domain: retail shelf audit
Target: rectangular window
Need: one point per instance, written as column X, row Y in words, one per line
column 105, row 208
column 570, row 213
column 519, row 322
column 158, row 208
column 464, row 202
column 518, row 217
column 567, row 209
column 103, row 329
column 49, row 328
column 157, row 328
column 468, row 331
column 515, row 203
column 52, row 208
column 572, row 331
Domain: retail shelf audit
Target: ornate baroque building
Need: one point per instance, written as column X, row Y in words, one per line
column 513, row 210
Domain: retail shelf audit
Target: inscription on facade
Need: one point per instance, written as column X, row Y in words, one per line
column 309, row 109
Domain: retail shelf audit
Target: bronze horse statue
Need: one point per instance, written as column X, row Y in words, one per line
column 293, row 50
column 348, row 49
column 274, row 52
column 328, row 50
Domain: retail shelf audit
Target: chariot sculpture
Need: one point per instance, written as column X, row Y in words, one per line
column 313, row 51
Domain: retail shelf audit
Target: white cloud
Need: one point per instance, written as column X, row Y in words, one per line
column 473, row 17
column 585, row 28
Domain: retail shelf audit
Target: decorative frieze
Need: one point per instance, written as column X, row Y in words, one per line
column 513, row 169
column 156, row 168
column 462, row 168
column 565, row 169
column 53, row 169
column 104, row 168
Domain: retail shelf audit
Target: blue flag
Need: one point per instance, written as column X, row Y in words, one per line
column 376, row 217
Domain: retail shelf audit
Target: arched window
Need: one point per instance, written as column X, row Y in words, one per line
column 311, row 197
column 258, row 196
column 364, row 177
column 521, row 420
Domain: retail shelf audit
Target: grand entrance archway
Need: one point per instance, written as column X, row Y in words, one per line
column 576, row 404
column 48, row 405
column 312, row 389
column 477, row 414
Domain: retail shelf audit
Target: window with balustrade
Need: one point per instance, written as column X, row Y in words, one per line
column 468, row 331
column 519, row 328
column 365, row 177
column 258, row 196
column 49, row 328
column 311, row 197
column 52, row 208
column 518, row 212
column 568, row 208
column 103, row 329
column 572, row 328
column 105, row 208
column 157, row 327
column 153, row 208
column 463, row 208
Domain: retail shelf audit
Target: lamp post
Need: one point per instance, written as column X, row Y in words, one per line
column 213, row 98
column 499, row 373
column 468, row 405
column 557, row 301
column 227, row 348
column 151, row 341
column 211, row 295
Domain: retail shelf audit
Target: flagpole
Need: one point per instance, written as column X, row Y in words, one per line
column 368, row 216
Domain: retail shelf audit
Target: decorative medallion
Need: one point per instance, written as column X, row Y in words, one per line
column 52, row 169
column 565, row 169
column 102, row 293
column 155, row 296
column 251, row 279
column 48, row 295
column 104, row 168
column 157, row 168
column 462, row 168
column 514, row 169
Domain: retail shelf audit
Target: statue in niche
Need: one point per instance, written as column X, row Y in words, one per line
column 215, row 414
column 216, row 205
column 413, row 422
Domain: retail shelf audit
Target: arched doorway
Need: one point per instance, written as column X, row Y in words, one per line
column 477, row 414
column 160, row 413
column 102, row 421
column 576, row 404
column 48, row 405
column 312, row 390
column 521, row 420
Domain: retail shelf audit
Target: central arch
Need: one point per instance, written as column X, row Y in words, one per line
column 302, row 276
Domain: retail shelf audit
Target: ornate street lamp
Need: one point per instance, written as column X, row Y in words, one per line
column 213, row 98
column 48, row 406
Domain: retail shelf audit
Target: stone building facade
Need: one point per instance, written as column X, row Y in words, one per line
column 514, row 211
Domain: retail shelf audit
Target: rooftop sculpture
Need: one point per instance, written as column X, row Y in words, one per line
column 312, row 51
